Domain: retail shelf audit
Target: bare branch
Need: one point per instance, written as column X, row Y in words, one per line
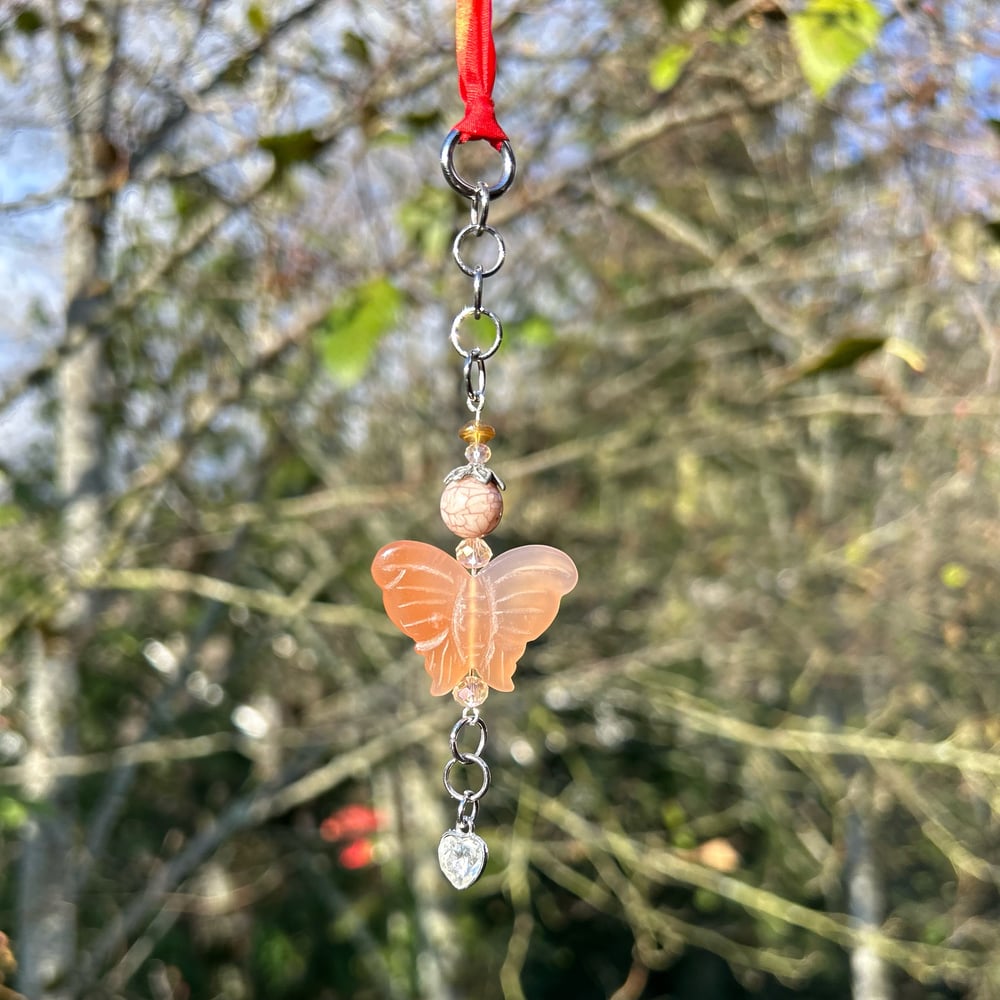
column 924, row 962
column 277, row 605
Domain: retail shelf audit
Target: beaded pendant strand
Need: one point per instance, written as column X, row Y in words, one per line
column 470, row 615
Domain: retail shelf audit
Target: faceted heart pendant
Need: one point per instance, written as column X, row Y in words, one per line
column 462, row 857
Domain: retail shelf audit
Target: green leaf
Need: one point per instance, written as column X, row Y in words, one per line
column 673, row 10
column 666, row 68
column 356, row 48
column 536, row 330
column 706, row 901
column 291, row 148
column 673, row 815
column 29, row 21
column 830, row 36
column 257, row 18
column 292, row 477
column 13, row 814
column 937, row 930
column 844, row 354
column 421, row 121
column 954, row 575
column 685, row 840
column 354, row 326
column 426, row 221
column 10, row 514
column 191, row 195
column 281, row 959
column 235, row 72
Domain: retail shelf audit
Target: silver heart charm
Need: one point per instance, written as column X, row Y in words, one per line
column 462, row 857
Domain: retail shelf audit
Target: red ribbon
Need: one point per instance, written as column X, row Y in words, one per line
column 477, row 68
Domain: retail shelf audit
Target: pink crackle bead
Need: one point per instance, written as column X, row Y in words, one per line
column 470, row 508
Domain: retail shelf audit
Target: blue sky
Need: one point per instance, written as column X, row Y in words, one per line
column 32, row 162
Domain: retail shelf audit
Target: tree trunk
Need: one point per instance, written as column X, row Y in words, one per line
column 438, row 955
column 46, row 908
column 47, row 891
column 862, row 877
column 865, row 902
column 47, row 903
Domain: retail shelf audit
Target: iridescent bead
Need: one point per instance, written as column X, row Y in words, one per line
column 470, row 508
column 471, row 691
column 473, row 553
column 478, row 454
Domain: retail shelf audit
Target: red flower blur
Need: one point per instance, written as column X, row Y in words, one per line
column 357, row 854
column 352, row 823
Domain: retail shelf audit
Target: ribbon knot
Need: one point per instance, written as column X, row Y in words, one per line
column 475, row 54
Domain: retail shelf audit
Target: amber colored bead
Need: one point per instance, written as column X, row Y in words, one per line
column 476, row 433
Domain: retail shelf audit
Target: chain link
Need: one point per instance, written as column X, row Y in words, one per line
column 456, row 331
column 468, row 720
column 476, row 394
column 467, row 798
column 480, row 195
column 468, row 812
column 480, row 207
column 477, row 291
column 470, row 269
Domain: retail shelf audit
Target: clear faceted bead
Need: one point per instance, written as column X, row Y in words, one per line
column 471, row 691
column 478, row 454
column 473, row 553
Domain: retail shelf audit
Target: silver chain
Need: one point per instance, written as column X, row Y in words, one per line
column 461, row 854
column 480, row 195
column 467, row 798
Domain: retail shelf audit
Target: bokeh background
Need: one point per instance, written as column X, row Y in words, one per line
column 750, row 383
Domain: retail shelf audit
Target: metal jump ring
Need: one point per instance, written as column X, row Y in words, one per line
column 475, row 393
column 456, row 732
column 468, row 813
column 465, row 314
column 480, row 210
column 460, row 184
column 477, row 292
column 470, row 270
column 467, row 794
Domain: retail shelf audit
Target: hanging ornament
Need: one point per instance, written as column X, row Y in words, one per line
column 471, row 615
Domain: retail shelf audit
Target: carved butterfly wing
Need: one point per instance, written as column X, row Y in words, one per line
column 460, row 622
column 521, row 589
column 421, row 588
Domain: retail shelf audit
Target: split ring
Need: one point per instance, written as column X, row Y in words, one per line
column 467, row 795
column 460, row 184
column 456, row 731
column 456, row 250
column 497, row 327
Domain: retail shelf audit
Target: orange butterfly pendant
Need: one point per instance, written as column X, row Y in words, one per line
column 460, row 622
